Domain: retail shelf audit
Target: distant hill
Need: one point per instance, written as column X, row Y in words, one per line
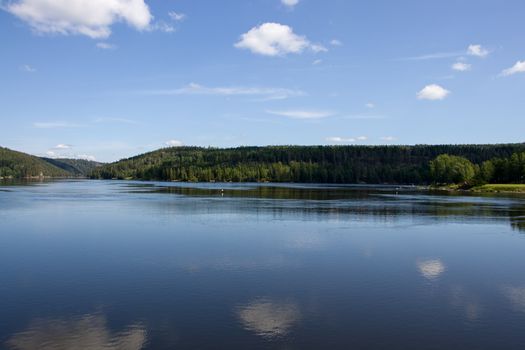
column 77, row 167
column 21, row 165
column 318, row 164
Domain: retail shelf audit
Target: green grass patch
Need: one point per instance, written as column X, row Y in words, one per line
column 500, row 188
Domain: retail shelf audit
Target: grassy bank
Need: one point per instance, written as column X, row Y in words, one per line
column 494, row 188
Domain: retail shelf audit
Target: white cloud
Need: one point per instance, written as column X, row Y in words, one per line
column 85, row 157
column 174, row 143
column 370, row 105
column 461, row 66
column 388, row 138
column 302, row 114
column 162, row 26
column 27, row 68
column 105, row 46
column 433, row 92
column 62, row 146
column 92, row 18
column 336, row 42
column 274, row 39
column 318, row 48
column 290, row 3
column 177, row 16
column 338, row 139
column 431, row 269
column 477, row 50
column 316, row 62
column 197, row 89
column 519, row 67
column 433, row 56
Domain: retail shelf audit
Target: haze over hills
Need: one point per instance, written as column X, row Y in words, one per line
column 21, row 165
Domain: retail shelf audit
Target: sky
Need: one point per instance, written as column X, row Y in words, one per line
column 109, row 79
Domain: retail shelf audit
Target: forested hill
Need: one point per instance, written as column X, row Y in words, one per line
column 15, row 164
column 21, row 165
column 77, row 167
column 321, row 164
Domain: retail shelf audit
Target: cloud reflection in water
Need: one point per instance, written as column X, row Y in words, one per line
column 85, row 332
column 431, row 269
column 269, row 319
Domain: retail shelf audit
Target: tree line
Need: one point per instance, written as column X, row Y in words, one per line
column 449, row 169
column 311, row 164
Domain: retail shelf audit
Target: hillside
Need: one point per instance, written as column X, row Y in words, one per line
column 21, row 165
column 76, row 167
column 322, row 164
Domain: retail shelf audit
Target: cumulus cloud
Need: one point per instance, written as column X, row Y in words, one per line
column 370, row 105
column 477, row 50
column 270, row 93
column 336, row 42
column 388, row 138
column 433, row 92
column 461, row 66
column 274, row 39
column 519, row 67
column 92, row 18
column 174, row 143
column 302, row 114
column 290, row 3
column 269, row 319
column 62, row 146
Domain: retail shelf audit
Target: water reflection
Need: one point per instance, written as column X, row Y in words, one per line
column 269, row 319
column 516, row 295
column 85, row 332
column 431, row 269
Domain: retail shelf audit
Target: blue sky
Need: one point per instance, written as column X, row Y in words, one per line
column 108, row 79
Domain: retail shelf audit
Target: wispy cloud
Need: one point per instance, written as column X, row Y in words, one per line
column 62, row 146
column 388, row 138
column 433, row 56
column 302, row 114
column 116, row 120
column 290, row 3
column 57, row 125
column 196, row 89
column 27, row 68
column 105, row 46
column 177, row 16
column 364, row 117
column 472, row 50
column 336, row 42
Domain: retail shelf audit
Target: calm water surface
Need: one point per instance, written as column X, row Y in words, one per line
column 129, row 265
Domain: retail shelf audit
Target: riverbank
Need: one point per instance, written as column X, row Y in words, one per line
column 488, row 188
